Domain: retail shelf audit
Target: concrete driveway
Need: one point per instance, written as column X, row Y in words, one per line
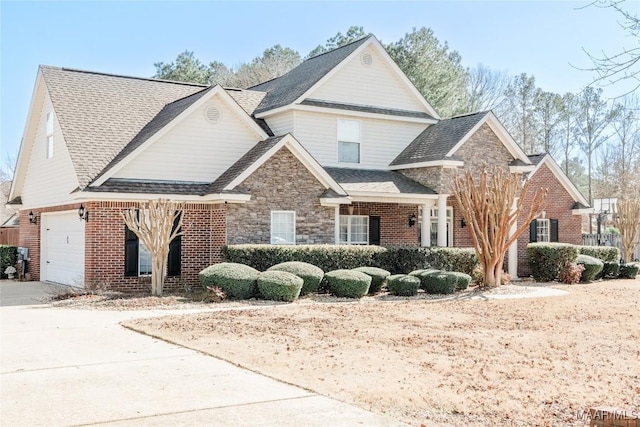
column 80, row 367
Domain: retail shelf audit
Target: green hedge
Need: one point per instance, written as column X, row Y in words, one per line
column 378, row 277
column 403, row 285
column 326, row 257
column 610, row 270
column 8, row 256
column 422, row 273
column 238, row 281
column 348, row 283
column 463, row 260
column 592, row 267
column 309, row 273
column 603, row 253
column 546, row 259
column 279, row 285
column 463, row 280
column 401, row 259
column 628, row 271
column 439, row 282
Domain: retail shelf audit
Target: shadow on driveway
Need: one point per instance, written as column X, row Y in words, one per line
column 14, row 293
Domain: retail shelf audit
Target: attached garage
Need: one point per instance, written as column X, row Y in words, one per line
column 62, row 243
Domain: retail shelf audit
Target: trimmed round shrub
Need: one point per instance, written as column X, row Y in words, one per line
column 610, row 270
column 441, row 282
column 463, row 280
column 279, row 285
column 592, row 267
column 348, row 283
column 238, row 281
column 309, row 273
column 628, row 271
column 403, row 285
column 546, row 259
column 378, row 277
column 420, row 274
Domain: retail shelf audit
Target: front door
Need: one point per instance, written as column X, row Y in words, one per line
column 374, row 230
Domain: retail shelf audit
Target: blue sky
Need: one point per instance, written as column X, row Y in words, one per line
column 538, row 38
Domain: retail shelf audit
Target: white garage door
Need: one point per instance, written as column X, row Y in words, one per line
column 62, row 248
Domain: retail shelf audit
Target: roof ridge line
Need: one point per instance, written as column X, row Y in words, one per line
column 340, row 47
column 124, row 76
column 468, row 114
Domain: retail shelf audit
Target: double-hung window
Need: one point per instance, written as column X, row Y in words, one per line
column 348, row 141
column 49, row 135
column 283, row 227
column 354, row 229
column 543, row 230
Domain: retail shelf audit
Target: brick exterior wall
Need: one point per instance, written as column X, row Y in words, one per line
column 282, row 183
column 557, row 206
column 394, row 221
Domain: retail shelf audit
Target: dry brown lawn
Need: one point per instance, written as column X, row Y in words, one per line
column 463, row 362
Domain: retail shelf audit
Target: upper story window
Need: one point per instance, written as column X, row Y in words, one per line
column 49, row 135
column 348, row 141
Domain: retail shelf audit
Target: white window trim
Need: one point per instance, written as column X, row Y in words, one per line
column 294, row 228
column 359, row 142
column 348, row 241
column 545, row 238
column 140, row 246
column 434, row 220
column 49, row 135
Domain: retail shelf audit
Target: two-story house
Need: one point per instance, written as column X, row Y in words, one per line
column 343, row 149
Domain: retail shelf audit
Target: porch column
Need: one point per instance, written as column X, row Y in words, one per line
column 513, row 249
column 337, row 226
column 425, row 232
column 442, row 220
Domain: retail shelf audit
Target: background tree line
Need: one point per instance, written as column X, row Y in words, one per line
column 595, row 140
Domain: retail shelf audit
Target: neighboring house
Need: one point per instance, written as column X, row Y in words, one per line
column 342, row 149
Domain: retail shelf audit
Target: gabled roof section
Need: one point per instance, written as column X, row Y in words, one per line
column 168, row 117
column 367, row 109
column 357, row 181
column 437, row 140
column 262, row 152
column 99, row 113
column 581, row 202
column 286, row 89
column 441, row 141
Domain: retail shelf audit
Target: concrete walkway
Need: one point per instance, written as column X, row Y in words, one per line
column 80, row 367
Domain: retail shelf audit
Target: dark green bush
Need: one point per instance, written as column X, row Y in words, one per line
column 546, row 259
column 439, row 282
column 401, row 259
column 348, row 283
column 403, row 285
column 238, row 281
column 279, row 285
column 610, row 270
column 452, row 259
column 592, row 267
column 378, row 277
column 603, row 253
column 628, row 271
column 463, row 280
column 420, row 274
column 8, row 256
column 309, row 273
column 326, row 257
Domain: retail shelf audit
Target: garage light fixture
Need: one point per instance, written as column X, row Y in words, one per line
column 33, row 219
column 83, row 213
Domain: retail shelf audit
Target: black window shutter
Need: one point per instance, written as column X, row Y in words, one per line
column 554, row 230
column 175, row 253
column 533, row 231
column 130, row 253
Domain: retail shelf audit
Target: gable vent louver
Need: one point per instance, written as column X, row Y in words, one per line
column 213, row 115
column 366, row 59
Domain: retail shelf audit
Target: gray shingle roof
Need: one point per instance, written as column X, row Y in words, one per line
column 376, row 181
column 536, row 158
column 114, row 185
column 437, row 140
column 285, row 89
column 101, row 113
column 366, row 109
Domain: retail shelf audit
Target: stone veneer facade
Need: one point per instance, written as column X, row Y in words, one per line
column 282, row 183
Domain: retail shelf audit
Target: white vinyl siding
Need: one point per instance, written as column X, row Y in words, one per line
column 348, row 141
column 543, row 230
column 281, row 124
column 354, row 229
column 48, row 180
column 49, row 132
column 381, row 140
column 376, row 85
column 194, row 150
column 283, row 227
